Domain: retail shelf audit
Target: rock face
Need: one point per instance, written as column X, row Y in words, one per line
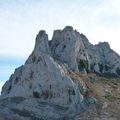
column 46, row 86
column 73, row 49
column 65, row 47
column 102, row 59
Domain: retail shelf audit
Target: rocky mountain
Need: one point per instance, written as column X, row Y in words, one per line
column 50, row 86
column 73, row 49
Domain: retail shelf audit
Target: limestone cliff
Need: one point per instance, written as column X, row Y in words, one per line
column 73, row 49
column 48, row 85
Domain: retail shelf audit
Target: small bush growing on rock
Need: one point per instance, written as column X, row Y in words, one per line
column 83, row 64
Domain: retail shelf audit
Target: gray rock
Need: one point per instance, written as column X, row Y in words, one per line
column 102, row 59
column 46, row 86
column 65, row 47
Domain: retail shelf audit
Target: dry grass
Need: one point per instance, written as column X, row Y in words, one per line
column 94, row 87
column 104, row 89
column 99, row 85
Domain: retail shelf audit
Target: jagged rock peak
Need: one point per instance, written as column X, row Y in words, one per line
column 82, row 35
column 68, row 28
column 42, row 44
column 41, row 47
column 104, row 44
column 46, row 85
column 69, row 47
column 49, row 86
column 65, row 46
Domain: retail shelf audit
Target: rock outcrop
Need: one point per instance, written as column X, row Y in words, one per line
column 67, row 47
column 48, row 86
column 44, row 86
column 73, row 49
column 102, row 59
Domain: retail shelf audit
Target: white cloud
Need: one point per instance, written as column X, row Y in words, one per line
column 21, row 21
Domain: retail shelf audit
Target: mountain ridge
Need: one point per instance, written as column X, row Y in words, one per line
column 51, row 85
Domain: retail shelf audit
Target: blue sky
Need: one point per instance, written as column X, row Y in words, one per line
column 7, row 67
column 20, row 21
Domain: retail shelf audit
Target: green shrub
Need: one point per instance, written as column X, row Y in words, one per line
column 83, row 64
